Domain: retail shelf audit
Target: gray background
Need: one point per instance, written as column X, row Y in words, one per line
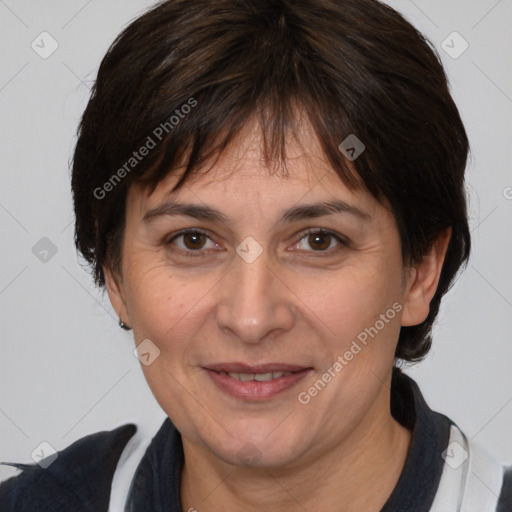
column 67, row 370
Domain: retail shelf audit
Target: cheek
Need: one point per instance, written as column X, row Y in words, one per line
column 358, row 317
column 348, row 302
column 155, row 298
column 168, row 307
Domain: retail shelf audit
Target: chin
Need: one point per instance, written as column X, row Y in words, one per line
column 266, row 444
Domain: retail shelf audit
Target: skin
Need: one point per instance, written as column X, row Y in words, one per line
column 342, row 451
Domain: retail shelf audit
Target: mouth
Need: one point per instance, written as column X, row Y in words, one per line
column 260, row 377
column 255, row 382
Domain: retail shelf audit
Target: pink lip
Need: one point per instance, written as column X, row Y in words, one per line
column 255, row 391
column 254, row 368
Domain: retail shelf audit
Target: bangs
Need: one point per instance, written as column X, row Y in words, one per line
column 203, row 140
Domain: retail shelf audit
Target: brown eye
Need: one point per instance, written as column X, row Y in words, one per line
column 194, row 240
column 321, row 241
column 191, row 243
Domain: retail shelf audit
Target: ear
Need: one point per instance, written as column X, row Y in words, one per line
column 116, row 294
column 423, row 280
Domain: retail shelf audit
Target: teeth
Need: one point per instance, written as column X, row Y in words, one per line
column 260, row 377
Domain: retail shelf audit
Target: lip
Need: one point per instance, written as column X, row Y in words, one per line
column 237, row 367
column 255, row 391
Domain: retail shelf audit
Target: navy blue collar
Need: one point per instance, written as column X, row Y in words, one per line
column 156, row 485
column 418, row 483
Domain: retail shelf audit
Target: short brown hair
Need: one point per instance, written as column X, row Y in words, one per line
column 353, row 66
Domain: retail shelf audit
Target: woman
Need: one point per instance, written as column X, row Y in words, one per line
column 272, row 194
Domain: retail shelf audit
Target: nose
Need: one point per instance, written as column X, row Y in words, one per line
column 255, row 304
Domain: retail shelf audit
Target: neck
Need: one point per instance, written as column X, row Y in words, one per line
column 358, row 473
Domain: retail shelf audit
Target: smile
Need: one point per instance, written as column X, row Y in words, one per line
column 255, row 383
column 260, row 377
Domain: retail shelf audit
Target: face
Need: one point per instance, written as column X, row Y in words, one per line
column 276, row 319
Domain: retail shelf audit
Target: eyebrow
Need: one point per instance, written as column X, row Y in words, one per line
column 294, row 214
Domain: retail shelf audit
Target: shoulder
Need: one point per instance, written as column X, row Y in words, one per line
column 78, row 479
column 488, row 484
column 445, row 470
column 472, row 479
column 505, row 498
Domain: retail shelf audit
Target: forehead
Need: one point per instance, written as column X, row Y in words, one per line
column 240, row 176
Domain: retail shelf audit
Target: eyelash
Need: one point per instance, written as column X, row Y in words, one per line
column 313, row 231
